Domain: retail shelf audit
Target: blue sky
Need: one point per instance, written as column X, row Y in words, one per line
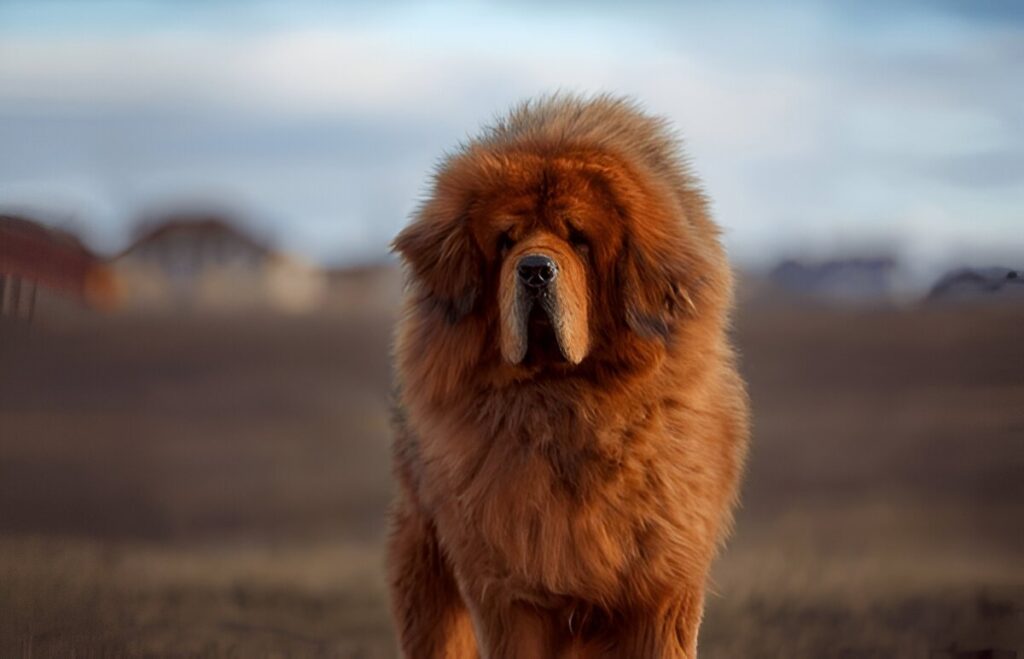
column 817, row 127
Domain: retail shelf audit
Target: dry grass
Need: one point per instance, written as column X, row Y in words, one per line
column 217, row 488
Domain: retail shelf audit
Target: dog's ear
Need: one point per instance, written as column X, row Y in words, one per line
column 655, row 266
column 656, row 290
column 442, row 256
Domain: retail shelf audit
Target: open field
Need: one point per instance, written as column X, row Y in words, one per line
column 217, row 487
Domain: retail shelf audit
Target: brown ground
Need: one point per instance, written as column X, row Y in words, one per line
column 217, row 488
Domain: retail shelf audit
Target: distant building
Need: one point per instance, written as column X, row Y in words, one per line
column 979, row 284
column 368, row 288
column 852, row 280
column 40, row 265
column 204, row 261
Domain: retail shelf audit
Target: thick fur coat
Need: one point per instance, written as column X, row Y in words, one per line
column 569, row 436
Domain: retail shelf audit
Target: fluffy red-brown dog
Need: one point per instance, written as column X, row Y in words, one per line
column 571, row 426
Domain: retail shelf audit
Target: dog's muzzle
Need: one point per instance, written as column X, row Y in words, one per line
column 543, row 304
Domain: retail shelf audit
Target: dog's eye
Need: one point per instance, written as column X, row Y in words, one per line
column 505, row 242
column 578, row 239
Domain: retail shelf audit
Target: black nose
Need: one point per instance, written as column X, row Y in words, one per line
column 536, row 271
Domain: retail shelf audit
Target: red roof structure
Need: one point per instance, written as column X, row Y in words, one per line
column 31, row 252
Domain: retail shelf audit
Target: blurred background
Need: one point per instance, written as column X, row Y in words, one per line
column 196, row 298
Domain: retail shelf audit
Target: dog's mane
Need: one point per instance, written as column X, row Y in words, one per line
column 615, row 124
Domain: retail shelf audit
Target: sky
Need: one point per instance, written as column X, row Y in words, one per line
column 820, row 128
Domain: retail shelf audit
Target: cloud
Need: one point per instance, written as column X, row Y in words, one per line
column 992, row 169
column 809, row 125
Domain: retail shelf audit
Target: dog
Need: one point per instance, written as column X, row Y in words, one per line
column 570, row 424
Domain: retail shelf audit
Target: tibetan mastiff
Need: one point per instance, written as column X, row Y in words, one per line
column 570, row 423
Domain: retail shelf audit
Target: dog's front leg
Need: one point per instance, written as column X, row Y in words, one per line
column 432, row 620
column 514, row 631
column 665, row 631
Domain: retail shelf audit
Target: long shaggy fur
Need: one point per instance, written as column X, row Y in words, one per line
column 566, row 473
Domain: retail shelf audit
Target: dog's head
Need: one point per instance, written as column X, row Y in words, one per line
column 568, row 255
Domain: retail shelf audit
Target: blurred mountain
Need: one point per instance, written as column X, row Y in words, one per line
column 852, row 280
column 979, row 284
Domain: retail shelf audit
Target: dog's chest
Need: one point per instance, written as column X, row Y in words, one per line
column 556, row 516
